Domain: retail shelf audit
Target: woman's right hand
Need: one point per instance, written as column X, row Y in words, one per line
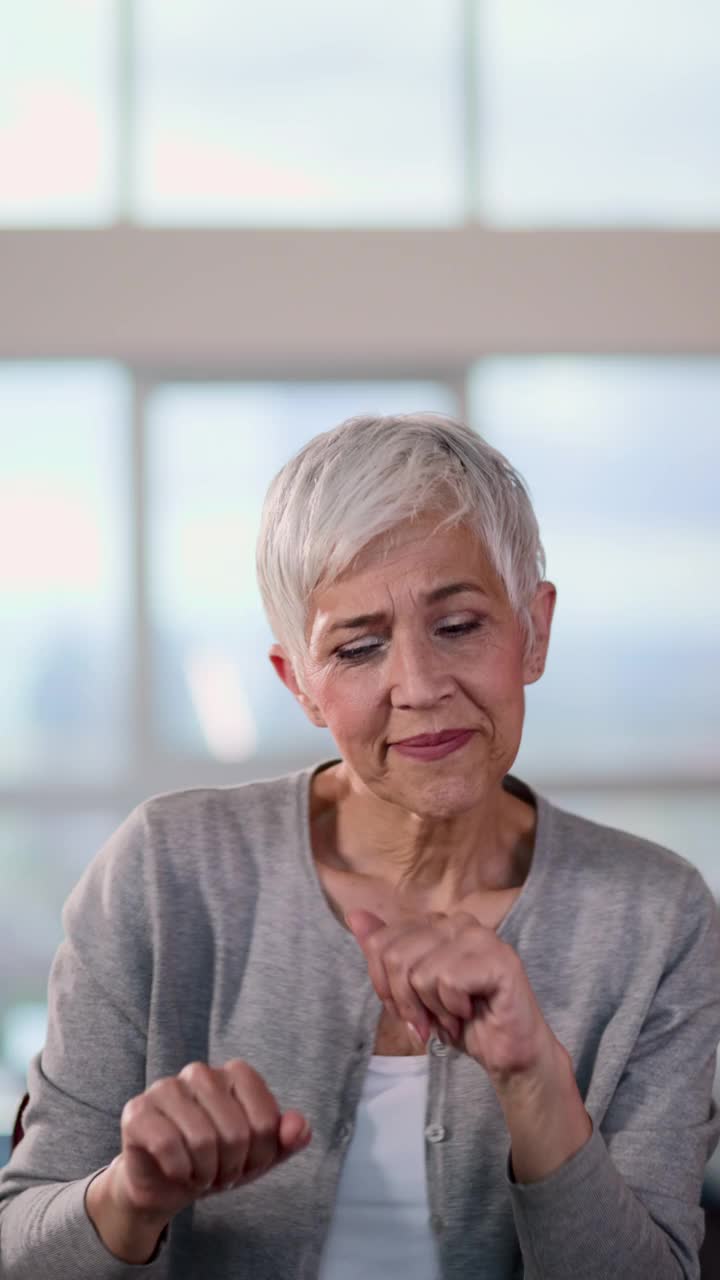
column 190, row 1136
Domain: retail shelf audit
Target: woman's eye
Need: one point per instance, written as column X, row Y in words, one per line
column 356, row 652
column 459, row 628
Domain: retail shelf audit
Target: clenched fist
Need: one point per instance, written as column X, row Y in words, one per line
column 186, row 1137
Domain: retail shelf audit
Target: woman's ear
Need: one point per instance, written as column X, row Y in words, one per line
column 286, row 672
column 541, row 613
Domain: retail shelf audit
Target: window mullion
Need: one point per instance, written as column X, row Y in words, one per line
column 125, row 98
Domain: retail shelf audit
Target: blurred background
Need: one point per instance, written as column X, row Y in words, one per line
column 224, row 228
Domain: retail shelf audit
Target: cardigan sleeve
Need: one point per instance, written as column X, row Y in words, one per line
column 93, row 1061
column 628, row 1203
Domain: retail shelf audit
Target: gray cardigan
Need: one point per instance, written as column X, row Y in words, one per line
column 200, row 932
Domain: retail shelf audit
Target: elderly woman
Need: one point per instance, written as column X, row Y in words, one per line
column 395, row 1014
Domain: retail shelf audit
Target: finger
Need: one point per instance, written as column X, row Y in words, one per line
column 146, row 1130
column 233, row 1134
column 446, row 981
column 293, row 1127
column 362, row 924
column 435, row 983
column 263, row 1115
column 455, row 998
column 373, row 949
column 469, row 970
column 294, row 1134
column 405, row 945
column 377, row 974
column 441, row 1019
column 175, row 1100
column 377, row 941
column 398, row 961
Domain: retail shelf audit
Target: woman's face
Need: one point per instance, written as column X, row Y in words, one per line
column 419, row 638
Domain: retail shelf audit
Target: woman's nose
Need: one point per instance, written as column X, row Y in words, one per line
column 419, row 676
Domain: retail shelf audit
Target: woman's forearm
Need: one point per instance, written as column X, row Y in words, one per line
column 546, row 1119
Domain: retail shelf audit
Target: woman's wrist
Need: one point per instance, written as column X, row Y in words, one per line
column 547, row 1121
column 130, row 1235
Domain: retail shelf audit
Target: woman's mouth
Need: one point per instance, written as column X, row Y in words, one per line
column 431, row 746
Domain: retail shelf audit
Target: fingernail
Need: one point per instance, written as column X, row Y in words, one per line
column 415, row 1033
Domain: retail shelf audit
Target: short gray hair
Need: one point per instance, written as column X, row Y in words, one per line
column 348, row 485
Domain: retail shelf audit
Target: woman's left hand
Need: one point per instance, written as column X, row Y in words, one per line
column 455, row 971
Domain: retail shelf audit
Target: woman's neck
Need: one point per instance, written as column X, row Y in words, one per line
column 421, row 864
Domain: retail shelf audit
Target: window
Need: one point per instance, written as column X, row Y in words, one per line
column 591, row 114
column 57, row 113
column 620, row 456
column 312, row 114
column 64, row 564
column 42, row 855
column 419, row 113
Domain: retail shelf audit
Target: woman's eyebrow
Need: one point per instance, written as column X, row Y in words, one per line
column 429, row 597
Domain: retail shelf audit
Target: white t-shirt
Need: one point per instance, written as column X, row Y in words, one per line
column 381, row 1220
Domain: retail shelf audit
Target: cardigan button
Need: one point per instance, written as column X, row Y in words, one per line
column 438, row 1048
column 345, row 1133
column 435, row 1133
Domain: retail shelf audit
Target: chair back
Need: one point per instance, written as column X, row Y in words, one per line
column 18, row 1132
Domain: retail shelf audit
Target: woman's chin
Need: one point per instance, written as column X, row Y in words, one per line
column 433, row 794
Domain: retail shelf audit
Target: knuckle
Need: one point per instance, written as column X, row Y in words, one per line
column 468, row 935
column 161, row 1083
column 160, row 1144
column 464, row 920
column 196, row 1073
column 203, row 1144
column 242, row 1076
column 200, row 1142
column 131, row 1111
column 394, row 962
column 240, row 1065
column 375, row 943
column 237, row 1135
column 238, row 1124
